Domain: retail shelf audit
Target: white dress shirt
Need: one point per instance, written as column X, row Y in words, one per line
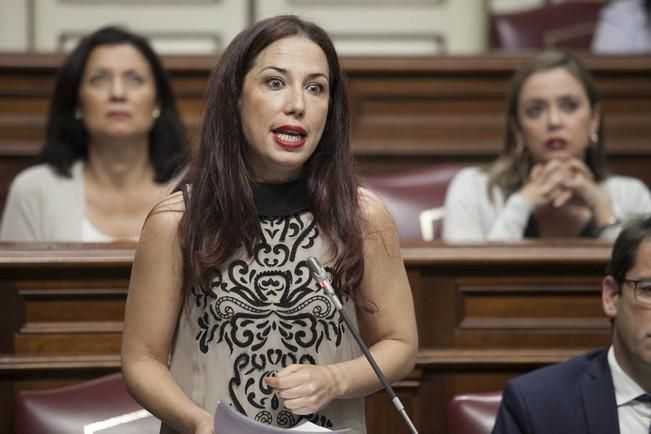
column 634, row 416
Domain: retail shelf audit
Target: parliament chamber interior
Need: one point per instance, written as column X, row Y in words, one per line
column 486, row 312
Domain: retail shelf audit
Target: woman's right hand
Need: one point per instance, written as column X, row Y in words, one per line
column 545, row 185
column 306, row 389
column 204, row 425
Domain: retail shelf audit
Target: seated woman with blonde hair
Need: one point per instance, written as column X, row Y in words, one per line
column 551, row 179
column 114, row 141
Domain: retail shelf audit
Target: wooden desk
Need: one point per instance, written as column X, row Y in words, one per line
column 528, row 294
column 407, row 111
column 485, row 313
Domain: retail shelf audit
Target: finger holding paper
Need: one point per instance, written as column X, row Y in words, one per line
column 305, row 389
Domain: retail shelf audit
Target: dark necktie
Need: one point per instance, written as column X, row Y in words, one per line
column 647, row 399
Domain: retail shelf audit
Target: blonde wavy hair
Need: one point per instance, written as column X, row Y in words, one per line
column 511, row 169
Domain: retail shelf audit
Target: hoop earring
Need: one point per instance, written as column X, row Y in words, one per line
column 78, row 114
column 155, row 113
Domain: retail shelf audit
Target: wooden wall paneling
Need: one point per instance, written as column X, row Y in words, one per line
column 64, row 303
column 407, row 111
column 75, row 320
column 381, row 414
column 11, row 315
column 454, row 107
column 88, row 320
column 471, row 305
column 531, row 294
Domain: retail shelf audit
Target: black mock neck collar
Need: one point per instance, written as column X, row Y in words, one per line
column 281, row 200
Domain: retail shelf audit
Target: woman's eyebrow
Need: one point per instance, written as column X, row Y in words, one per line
column 286, row 71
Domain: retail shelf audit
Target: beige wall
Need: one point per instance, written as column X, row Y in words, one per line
column 14, row 28
column 514, row 5
column 394, row 27
column 186, row 26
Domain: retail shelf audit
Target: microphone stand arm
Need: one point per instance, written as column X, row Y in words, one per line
column 324, row 282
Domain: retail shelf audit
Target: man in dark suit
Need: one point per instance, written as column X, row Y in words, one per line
column 605, row 391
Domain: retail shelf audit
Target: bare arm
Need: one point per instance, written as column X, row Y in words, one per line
column 389, row 329
column 153, row 305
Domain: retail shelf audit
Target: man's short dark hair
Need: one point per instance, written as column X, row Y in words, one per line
column 626, row 246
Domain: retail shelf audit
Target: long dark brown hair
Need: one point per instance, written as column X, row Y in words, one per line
column 511, row 170
column 220, row 216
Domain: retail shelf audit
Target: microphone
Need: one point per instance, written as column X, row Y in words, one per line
column 321, row 276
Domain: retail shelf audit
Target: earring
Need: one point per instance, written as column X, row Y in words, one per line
column 155, row 113
column 594, row 137
column 78, row 114
column 519, row 148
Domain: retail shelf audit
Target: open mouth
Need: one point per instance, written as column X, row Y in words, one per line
column 290, row 136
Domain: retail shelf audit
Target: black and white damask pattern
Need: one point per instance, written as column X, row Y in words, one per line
column 269, row 313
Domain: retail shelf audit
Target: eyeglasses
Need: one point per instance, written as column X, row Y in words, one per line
column 641, row 290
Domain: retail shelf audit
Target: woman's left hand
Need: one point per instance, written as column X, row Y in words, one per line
column 305, row 389
column 586, row 192
column 581, row 184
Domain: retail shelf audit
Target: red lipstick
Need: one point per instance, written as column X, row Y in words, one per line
column 289, row 136
column 556, row 144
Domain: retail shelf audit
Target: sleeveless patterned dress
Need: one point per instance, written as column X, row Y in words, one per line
column 261, row 314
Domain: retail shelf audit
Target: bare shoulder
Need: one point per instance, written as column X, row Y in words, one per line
column 164, row 218
column 377, row 221
column 173, row 202
column 375, row 214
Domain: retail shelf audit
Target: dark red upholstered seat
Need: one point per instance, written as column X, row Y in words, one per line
column 415, row 198
column 473, row 413
column 101, row 406
column 568, row 25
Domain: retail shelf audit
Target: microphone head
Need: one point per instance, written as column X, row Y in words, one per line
column 317, row 270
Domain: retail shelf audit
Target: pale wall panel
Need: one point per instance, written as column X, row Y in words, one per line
column 202, row 26
column 507, row 6
column 14, row 30
column 466, row 24
column 362, row 27
column 173, row 26
column 504, row 6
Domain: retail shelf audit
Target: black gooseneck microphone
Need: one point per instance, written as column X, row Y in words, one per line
column 321, row 276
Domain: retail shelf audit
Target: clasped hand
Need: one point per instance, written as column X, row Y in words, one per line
column 305, row 389
column 560, row 182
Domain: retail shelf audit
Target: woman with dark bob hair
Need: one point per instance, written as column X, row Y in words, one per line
column 551, row 179
column 114, row 141
column 221, row 305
